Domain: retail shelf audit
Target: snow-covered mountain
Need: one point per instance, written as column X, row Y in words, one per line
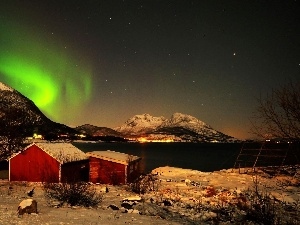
column 140, row 124
column 16, row 108
column 180, row 127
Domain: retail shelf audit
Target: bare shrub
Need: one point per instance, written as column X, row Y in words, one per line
column 278, row 114
column 255, row 205
column 210, row 191
column 77, row 193
column 260, row 207
column 145, row 183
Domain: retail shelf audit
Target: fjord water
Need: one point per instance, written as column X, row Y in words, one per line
column 205, row 157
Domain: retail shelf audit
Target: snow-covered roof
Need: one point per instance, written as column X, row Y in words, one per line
column 113, row 156
column 4, row 87
column 62, row 152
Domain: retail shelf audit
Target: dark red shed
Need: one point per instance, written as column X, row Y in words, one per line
column 110, row 167
column 49, row 162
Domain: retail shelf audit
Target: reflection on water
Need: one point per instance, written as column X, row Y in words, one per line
column 204, row 157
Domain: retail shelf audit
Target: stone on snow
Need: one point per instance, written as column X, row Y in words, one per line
column 113, row 207
column 128, row 205
column 27, row 206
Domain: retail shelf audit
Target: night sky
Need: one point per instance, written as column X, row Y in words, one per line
column 102, row 62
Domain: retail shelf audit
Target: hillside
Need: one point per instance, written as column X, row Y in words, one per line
column 16, row 108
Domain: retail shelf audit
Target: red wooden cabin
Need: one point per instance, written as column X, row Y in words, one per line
column 49, row 162
column 110, row 167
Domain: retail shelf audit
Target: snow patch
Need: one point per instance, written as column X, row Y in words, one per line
column 4, row 87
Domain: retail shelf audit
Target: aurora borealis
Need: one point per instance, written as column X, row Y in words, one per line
column 102, row 62
column 50, row 77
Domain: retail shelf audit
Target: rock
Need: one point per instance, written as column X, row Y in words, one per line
column 152, row 200
column 113, row 207
column 167, row 203
column 55, row 204
column 123, row 210
column 128, row 205
column 104, row 189
column 196, row 184
column 132, row 198
column 187, row 182
column 134, row 211
column 27, row 206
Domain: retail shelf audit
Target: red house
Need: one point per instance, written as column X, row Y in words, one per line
column 110, row 167
column 49, row 162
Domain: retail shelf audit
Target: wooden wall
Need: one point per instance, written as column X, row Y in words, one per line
column 106, row 172
column 34, row 165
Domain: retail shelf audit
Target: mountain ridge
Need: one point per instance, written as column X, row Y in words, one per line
column 13, row 102
column 180, row 127
column 92, row 130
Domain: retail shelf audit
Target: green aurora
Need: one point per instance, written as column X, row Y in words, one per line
column 44, row 70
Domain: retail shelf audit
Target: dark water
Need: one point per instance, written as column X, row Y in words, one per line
column 203, row 157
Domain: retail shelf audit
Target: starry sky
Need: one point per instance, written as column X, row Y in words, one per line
column 102, row 62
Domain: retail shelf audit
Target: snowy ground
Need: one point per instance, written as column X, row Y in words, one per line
column 181, row 196
column 282, row 187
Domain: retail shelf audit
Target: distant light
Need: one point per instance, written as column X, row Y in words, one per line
column 234, row 53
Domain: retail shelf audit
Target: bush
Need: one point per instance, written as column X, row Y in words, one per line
column 144, row 184
column 78, row 193
column 261, row 208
